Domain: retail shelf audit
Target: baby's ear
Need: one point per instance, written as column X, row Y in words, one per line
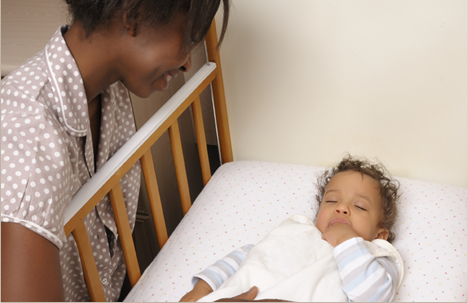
column 382, row 234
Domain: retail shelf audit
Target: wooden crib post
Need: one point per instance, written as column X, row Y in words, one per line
column 201, row 140
column 179, row 164
column 125, row 233
column 147, row 166
column 219, row 98
column 90, row 272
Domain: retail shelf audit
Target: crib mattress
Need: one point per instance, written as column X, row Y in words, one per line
column 244, row 200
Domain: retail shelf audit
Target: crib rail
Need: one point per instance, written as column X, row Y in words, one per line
column 138, row 146
column 107, row 179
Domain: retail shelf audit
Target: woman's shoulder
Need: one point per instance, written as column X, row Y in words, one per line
column 27, row 80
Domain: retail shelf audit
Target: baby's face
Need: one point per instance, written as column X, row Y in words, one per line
column 354, row 199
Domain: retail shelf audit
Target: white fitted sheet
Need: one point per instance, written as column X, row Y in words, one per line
column 244, row 200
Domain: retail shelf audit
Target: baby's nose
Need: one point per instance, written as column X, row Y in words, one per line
column 342, row 209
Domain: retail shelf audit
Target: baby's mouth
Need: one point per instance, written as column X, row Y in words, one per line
column 338, row 220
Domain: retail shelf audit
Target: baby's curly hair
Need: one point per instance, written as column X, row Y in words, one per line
column 388, row 186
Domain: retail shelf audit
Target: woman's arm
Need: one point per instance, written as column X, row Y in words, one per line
column 30, row 266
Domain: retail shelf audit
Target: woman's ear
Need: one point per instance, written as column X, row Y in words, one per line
column 382, row 234
column 130, row 25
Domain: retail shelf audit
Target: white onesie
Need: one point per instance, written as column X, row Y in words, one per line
column 293, row 262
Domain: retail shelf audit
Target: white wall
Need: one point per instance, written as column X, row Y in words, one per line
column 307, row 81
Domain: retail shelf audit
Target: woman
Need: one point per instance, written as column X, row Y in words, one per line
column 65, row 112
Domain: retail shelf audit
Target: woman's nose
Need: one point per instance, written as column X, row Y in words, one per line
column 342, row 209
column 187, row 65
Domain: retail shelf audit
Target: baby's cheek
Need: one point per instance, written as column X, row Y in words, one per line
column 321, row 223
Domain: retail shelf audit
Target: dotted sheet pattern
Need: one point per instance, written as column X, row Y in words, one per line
column 244, row 200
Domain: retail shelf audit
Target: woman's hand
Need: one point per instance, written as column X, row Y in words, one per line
column 200, row 290
column 249, row 296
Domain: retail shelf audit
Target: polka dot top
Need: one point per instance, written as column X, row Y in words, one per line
column 47, row 155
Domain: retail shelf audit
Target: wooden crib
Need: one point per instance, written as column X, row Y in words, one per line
column 107, row 180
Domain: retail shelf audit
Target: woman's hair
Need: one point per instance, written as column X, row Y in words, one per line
column 388, row 187
column 95, row 13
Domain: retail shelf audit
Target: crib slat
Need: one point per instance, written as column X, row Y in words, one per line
column 125, row 233
column 154, row 197
column 201, row 140
column 219, row 98
column 179, row 164
column 91, row 275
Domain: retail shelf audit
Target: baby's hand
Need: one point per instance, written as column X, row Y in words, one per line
column 338, row 233
column 200, row 290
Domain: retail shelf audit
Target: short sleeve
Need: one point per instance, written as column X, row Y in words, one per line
column 37, row 182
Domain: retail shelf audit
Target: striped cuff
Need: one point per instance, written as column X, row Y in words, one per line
column 216, row 274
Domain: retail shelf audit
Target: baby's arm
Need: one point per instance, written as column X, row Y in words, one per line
column 211, row 278
column 364, row 276
column 200, row 290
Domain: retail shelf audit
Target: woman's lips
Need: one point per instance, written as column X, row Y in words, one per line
column 338, row 220
column 168, row 76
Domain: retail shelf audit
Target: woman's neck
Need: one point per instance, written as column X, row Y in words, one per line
column 95, row 57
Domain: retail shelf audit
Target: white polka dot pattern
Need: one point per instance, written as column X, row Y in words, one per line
column 245, row 200
column 46, row 158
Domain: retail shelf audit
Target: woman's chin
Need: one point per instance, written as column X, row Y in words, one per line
column 141, row 94
column 146, row 92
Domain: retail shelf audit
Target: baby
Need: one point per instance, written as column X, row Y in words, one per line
column 346, row 256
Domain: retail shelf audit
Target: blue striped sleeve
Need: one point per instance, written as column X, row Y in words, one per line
column 365, row 278
column 215, row 275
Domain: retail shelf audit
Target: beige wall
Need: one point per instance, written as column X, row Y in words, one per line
column 307, row 81
column 27, row 26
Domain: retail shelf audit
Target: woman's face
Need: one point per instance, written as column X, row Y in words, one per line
column 153, row 56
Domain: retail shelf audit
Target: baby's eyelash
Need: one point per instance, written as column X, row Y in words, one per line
column 360, row 207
